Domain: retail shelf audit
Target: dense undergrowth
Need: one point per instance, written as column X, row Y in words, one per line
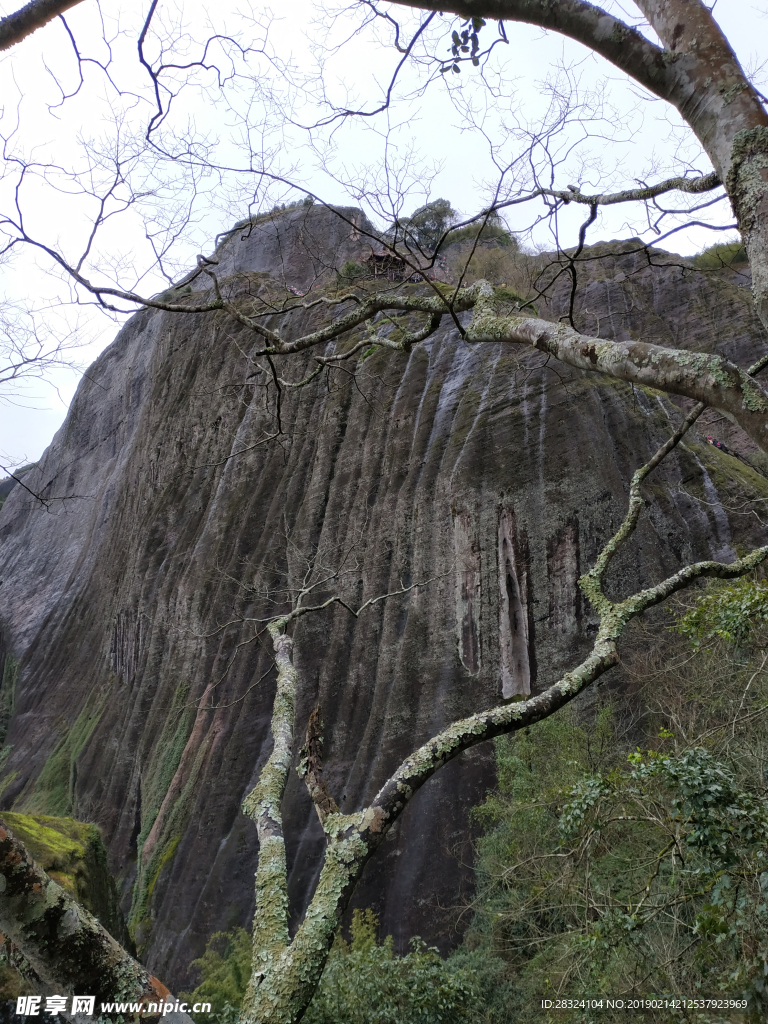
column 364, row 981
column 624, row 853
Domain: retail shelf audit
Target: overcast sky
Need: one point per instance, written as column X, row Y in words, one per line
column 614, row 135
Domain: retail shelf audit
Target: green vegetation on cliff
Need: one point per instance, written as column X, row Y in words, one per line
column 7, row 693
column 156, row 783
column 53, row 791
column 722, row 254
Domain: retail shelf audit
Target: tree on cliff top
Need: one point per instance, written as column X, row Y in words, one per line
column 694, row 69
column 427, row 225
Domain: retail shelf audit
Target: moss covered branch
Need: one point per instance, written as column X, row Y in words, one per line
column 263, row 806
column 62, row 945
column 709, row 379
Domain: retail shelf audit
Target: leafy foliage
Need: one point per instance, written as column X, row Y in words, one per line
column 225, row 968
column 520, row 911
column 727, row 611
column 427, row 225
column 494, row 230
column 465, row 42
column 351, row 271
column 677, row 856
column 364, row 981
column 721, row 254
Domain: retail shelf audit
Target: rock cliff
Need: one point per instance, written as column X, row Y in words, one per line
column 129, row 701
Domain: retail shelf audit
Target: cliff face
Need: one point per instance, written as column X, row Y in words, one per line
column 131, row 701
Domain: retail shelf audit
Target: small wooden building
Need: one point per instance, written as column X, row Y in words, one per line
column 386, row 264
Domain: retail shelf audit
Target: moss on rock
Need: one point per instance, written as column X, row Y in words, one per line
column 53, row 791
column 7, row 694
column 73, row 854
column 155, row 785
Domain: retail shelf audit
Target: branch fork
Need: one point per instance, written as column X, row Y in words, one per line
column 310, row 767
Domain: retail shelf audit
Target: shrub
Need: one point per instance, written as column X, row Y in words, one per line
column 644, row 871
column 726, row 611
column 225, row 968
column 364, row 981
column 721, row 254
column 493, row 231
column 351, row 272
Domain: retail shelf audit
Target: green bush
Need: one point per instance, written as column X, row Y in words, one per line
column 605, row 870
column 726, row 611
column 351, row 272
column 426, row 226
column 493, row 231
column 224, row 968
column 364, row 981
column 721, row 254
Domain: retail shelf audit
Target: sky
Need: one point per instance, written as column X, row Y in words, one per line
column 448, row 139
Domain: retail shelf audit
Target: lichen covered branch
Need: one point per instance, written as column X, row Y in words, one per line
column 592, row 581
column 691, row 186
column 705, row 378
column 62, row 945
column 262, row 805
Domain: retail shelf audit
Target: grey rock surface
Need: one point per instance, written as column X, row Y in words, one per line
column 482, row 469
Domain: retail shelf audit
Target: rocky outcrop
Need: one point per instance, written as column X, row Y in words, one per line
column 134, row 602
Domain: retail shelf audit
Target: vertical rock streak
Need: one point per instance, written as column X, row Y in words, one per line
column 468, row 596
column 514, row 644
